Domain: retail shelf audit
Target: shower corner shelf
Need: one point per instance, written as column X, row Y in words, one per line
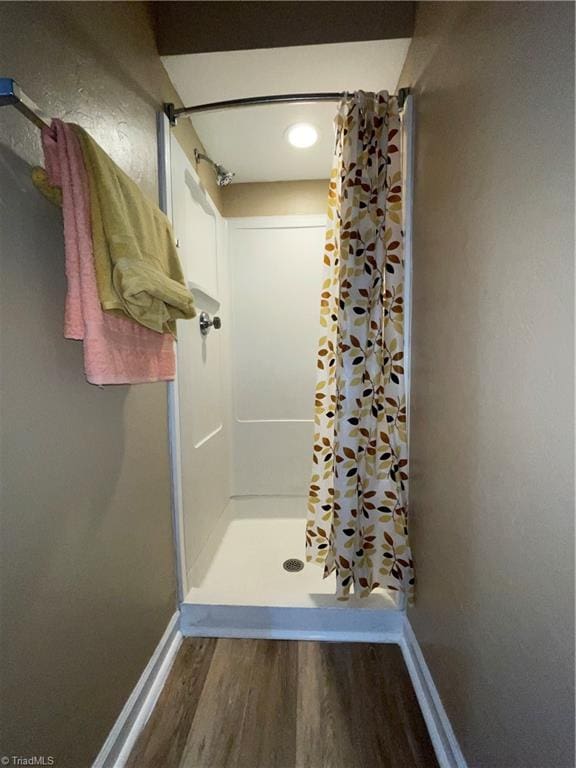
column 204, row 295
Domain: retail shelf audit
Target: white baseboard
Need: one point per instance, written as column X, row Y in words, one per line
column 337, row 624
column 141, row 701
column 443, row 739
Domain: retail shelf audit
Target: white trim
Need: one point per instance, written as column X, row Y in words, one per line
column 340, row 624
column 279, row 221
column 390, row 638
column 142, row 700
column 176, row 485
column 274, row 421
column 408, row 139
column 209, row 436
column 164, row 176
column 439, row 727
column 173, row 404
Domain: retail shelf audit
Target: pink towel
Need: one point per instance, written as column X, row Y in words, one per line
column 116, row 349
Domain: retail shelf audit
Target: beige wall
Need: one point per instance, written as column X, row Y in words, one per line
column 87, row 579
column 492, row 421
column 276, row 198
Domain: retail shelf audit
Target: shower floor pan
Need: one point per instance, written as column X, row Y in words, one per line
column 242, row 589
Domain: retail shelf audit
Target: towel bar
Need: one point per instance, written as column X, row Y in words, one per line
column 12, row 95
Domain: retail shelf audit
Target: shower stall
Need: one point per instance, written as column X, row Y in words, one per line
column 241, row 422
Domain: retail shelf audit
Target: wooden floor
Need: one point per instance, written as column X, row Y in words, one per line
column 285, row 704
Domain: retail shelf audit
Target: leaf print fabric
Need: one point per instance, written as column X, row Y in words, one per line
column 357, row 517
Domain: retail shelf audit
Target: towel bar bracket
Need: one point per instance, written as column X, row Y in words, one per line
column 12, row 95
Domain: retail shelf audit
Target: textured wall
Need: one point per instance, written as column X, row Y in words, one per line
column 97, row 65
column 492, row 447
column 87, row 580
column 277, row 198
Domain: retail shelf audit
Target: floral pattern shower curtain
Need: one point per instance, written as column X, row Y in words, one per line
column 357, row 499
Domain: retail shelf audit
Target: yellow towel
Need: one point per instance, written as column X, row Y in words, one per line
column 40, row 181
column 137, row 267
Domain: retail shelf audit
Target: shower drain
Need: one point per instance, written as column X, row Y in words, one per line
column 293, row 565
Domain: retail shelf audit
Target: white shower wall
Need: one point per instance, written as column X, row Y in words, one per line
column 203, row 390
column 275, row 274
column 244, row 395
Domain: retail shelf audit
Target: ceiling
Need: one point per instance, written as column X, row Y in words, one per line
column 251, row 141
column 199, row 27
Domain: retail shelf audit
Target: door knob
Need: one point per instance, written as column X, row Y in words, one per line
column 206, row 323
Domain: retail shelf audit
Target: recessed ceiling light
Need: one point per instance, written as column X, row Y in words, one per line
column 302, row 135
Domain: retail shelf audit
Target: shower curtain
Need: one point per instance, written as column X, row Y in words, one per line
column 357, row 522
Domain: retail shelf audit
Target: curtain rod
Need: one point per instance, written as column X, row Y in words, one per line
column 174, row 113
column 12, row 95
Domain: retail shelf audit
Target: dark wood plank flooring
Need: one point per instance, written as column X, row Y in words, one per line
column 285, row 704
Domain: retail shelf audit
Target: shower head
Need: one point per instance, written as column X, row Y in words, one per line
column 223, row 177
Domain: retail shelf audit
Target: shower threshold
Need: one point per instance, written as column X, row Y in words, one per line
column 241, row 588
